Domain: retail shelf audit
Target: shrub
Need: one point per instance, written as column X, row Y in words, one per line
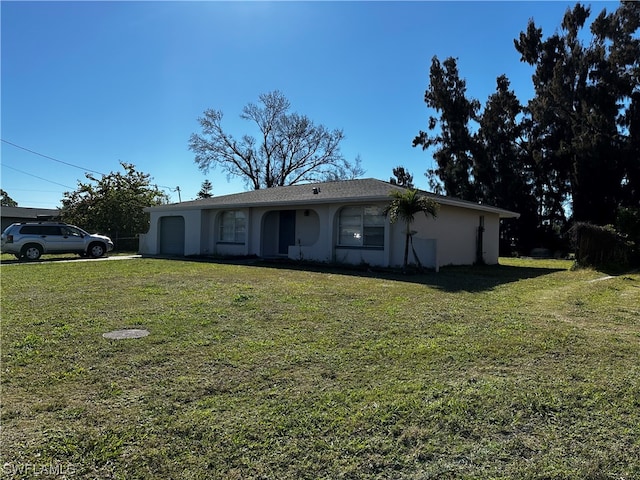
column 628, row 224
column 599, row 246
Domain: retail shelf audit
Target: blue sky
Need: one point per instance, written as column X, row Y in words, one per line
column 95, row 83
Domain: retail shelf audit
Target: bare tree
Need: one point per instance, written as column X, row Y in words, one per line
column 290, row 148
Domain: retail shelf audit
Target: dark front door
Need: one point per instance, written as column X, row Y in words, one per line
column 287, row 231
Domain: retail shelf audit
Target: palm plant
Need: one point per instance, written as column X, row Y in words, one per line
column 405, row 204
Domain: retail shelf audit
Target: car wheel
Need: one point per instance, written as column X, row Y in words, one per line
column 32, row 252
column 97, row 250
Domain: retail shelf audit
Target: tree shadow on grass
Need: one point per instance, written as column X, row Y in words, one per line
column 481, row 278
column 475, row 278
column 451, row 279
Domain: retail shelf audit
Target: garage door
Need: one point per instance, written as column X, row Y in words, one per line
column 172, row 236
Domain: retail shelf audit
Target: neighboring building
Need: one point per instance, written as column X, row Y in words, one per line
column 333, row 222
column 24, row 214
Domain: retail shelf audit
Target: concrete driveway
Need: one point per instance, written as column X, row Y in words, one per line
column 69, row 259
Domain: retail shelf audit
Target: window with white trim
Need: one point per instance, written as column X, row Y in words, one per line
column 361, row 226
column 232, row 227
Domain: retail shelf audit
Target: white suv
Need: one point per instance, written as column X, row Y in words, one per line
column 29, row 240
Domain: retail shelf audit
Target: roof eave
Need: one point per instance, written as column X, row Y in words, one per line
column 309, row 202
column 283, row 203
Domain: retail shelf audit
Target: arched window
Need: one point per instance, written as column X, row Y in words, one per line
column 361, row 226
column 232, row 227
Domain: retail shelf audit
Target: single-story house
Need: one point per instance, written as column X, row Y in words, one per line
column 26, row 214
column 332, row 222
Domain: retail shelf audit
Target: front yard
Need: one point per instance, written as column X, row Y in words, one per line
column 526, row 370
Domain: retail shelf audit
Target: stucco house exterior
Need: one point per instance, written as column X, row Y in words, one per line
column 333, row 222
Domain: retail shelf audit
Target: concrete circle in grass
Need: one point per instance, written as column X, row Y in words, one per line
column 127, row 333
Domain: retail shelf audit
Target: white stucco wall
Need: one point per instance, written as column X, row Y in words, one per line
column 423, row 243
column 150, row 241
column 449, row 239
column 262, row 224
column 491, row 239
column 311, row 234
column 455, row 230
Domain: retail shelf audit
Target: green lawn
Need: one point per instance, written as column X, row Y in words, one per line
column 527, row 370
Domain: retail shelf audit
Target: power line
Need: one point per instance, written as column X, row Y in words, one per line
column 13, row 189
column 176, row 189
column 35, row 176
column 49, row 158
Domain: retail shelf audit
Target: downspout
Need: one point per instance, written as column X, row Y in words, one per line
column 480, row 242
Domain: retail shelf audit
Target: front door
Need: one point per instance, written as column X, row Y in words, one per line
column 287, row 231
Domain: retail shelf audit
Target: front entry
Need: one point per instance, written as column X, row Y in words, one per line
column 286, row 231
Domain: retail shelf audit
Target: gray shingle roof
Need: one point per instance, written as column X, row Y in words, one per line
column 344, row 191
column 327, row 192
column 28, row 212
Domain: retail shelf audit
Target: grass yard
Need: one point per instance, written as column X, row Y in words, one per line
column 528, row 370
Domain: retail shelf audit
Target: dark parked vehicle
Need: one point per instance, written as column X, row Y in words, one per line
column 30, row 240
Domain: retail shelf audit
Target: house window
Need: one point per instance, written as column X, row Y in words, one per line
column 232, row 227
column 361, row 226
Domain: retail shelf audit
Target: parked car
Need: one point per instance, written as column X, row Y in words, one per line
column 30, row 240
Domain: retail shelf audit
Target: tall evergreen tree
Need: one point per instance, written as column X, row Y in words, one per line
column 574, row 148
column 503, row 172
column 453, row 141
column 491, row 165
column 631, row 181
column 205, row 190
column 401, row 177
column 583, row 94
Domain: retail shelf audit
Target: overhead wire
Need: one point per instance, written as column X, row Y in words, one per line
column 48, row 157
column 176, row 189
column 36, row 176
